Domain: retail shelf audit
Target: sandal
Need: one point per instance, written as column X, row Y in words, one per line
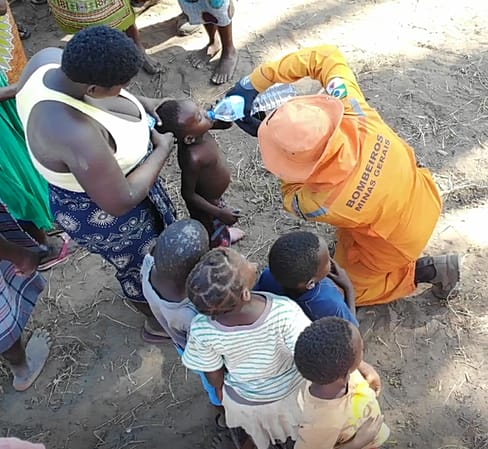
column 220, row 423
column 183, row 27
column 233, row 437
column 447, row 275
column 47, row 261
column 24, row 33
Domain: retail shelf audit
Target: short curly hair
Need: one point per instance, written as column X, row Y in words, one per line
column 324, row 351
column 294, row 258
column 215, row 285
column 169, row 112
column 179, row 247
column 101, row 56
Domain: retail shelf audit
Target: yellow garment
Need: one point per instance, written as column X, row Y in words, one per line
column 367, row 184
column 131, row 138
column 330, row 423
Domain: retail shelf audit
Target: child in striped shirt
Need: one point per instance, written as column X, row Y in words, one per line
column 244, row 341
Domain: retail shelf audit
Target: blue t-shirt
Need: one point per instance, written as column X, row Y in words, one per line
column 325, row 299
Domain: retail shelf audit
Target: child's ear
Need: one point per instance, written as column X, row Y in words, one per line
column 310, row 285
column 246, row 295
column 189, row 140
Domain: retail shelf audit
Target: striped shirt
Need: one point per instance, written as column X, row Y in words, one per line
column 258, row 357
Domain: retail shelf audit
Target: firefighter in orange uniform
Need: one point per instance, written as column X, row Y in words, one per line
column 341, row 164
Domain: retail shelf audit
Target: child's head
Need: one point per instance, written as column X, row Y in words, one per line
column 328, row 350
column 298, row 260
column 179, row 247
column 221, row 282
column 184, row 119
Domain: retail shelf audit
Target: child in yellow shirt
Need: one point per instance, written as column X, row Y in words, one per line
column 340, row 410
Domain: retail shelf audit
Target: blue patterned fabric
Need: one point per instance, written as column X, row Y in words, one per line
column 121, row 241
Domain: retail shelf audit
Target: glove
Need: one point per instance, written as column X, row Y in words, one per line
column 249, row 124
column 246, row 90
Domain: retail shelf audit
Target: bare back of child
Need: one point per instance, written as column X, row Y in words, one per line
column 205, row 175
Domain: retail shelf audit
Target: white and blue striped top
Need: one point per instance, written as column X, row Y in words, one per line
column 258, row 357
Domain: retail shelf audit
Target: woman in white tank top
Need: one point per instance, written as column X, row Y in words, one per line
column 92, row 142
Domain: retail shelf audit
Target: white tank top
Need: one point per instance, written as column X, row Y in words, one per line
column 131, row 138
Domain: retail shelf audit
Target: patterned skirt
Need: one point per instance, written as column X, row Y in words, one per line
column 217, row 12
column 121, row 241
column 18, row 294
column 75, row 15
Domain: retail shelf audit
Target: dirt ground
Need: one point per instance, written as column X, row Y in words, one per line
column 424, row 65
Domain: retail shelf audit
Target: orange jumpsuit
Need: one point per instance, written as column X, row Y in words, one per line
column 368, row 184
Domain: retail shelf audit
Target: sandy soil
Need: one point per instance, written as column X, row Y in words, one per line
column 424, row 65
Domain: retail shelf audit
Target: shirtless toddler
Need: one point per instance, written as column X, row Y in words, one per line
column 205, row 174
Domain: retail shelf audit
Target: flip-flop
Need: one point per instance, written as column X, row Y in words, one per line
column 220, row 423
column 232, row 437
column 447, row 275
column 24, row 32
column 183, row 27
column 63, row 255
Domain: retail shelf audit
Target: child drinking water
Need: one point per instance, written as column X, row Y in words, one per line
column 205, row 174
column 339, row 407
column 164, row 271
column 244, row 342
column 300, row 267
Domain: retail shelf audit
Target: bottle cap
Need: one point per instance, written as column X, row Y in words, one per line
column 211, row 114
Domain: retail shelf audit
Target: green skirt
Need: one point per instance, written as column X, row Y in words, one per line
column 22, row 188
column 75, row 15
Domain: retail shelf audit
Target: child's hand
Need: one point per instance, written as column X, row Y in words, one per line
column 371, row 376
column 339, row 275
column 26, row 262
column 368, row 431
column 228, row 216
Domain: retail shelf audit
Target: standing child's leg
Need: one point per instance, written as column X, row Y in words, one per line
column 27, row 363
column 201, row 57
column 150, row 65
column 228, row 59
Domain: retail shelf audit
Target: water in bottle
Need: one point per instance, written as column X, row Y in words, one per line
column 228, row 109
column 272, row 98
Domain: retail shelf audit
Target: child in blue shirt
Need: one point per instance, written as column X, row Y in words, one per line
column 300, row 267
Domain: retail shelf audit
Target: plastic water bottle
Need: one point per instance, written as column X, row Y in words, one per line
column 273, row 97
column 151, row 121
column 231, row 108
column 228, row 109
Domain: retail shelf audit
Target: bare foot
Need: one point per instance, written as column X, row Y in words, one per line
column 225, row 68
column 36, row 353
column 236, row 234
column 201, row 57
column 150, row 65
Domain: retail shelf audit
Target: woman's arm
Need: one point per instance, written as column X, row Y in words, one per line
column 92, row 163
column 8, row 92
